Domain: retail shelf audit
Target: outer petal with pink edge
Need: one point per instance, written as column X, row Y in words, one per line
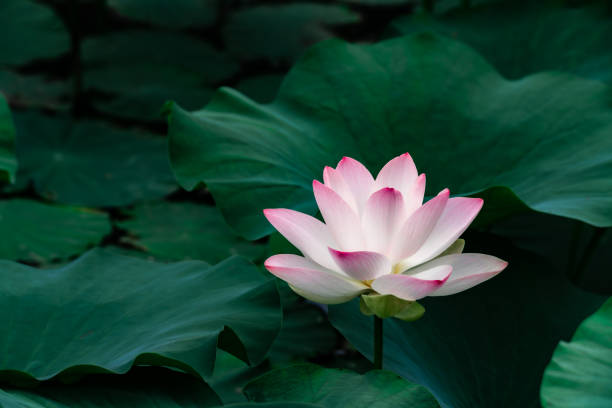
column 312, row 281
column 334, row 180
column 418, row 226
column 399, row 173
column 306, row 233
column 468, row 270
column 358, row 179
column 361, row 265
column 456, row 217
column 413, row 287
column 342, row 221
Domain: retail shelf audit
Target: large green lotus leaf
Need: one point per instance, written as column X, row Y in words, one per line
column 106, row 312
column 169, row 13
column 332, row 388
column 90, row 163
column 305, row 333
column 129, row 60
column 37, row 232
column 34, row 91
column 580, row 372
column 523, row 37
column 184, row 230
column 282, row 32
column 487, row 346
column 30, row 30
column 8, row 162
column 140, row 388
column 466, row 127
column 579, row 249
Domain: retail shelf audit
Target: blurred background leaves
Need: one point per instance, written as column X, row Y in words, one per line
column 508, row 100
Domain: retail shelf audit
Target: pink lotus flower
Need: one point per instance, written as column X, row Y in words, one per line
column 378, row 236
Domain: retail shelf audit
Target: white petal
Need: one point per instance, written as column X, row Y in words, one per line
column 312, row 281
column 342, row 221
column 306, row 233
column 456, row 217
column 468, row 270
column 399, row 173
column 413, row 197
column 362, row 265
column 413, row 287
column 334, row 180
column 383, row 216
column 358, row 178
column 418, row 227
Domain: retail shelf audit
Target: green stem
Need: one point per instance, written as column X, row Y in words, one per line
column 378, row 343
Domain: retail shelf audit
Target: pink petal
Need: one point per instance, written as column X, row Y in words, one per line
column 456, row 217
column 413, row 197
column 399, row 173
column 312, row 281
column 362, row 265
column 418, row 226
column 334, row 180
column 306, row 233
column 342, row 221
column 413, row 287
column 358, row 178
column 383, row 216
column 468, row 270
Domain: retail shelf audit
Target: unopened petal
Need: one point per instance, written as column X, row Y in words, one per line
column 399, row 173
column 306, row 233
column 458, row 214
column 312, row 281
column 361, row 265
column 413, row 287
column 383, row 216
column 342, row 221
column 358, row 178
column 418, row 226
column 468, row 270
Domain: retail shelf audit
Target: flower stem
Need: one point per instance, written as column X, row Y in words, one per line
column 378, row 343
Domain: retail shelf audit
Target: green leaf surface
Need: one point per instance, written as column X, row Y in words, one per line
column 580, row 372
column 184, row 230
column 331, row 388
column 106, row 312
column 305, row 333
column 90, row 163
column 487, row 346
column 465, row 126
column 282, row 32
column 123, row 61
column 8, row 162
column 140, row 388
column 30, row 30
column 33, row 91
column 169, row 13
column 37, row 232
column 582, row 251
column 231, row 375
column 523, row 37
column 262, row 88
column 120, row 63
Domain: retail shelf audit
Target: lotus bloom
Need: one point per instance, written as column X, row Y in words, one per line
column 379, row 237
